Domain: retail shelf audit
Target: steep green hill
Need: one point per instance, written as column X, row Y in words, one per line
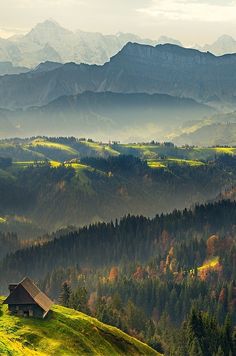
column 64, row 332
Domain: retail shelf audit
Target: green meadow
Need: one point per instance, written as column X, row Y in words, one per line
column 64, row 332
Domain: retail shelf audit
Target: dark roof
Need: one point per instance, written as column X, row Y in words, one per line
column 26, row 292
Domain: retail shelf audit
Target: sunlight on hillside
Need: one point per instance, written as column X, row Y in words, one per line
column 155, row 164
column 210, row 264
column 225, row 150
column 55, row 164
column 100, row 147
column 64, row 332
column 52, row 145
column 164, row 163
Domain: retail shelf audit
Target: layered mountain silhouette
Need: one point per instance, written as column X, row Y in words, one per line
column 8, row 68
column 166, row 69
column 103, row 115
column 49, row 41
column 223, row 134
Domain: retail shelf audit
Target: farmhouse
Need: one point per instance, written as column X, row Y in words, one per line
column 27, row 300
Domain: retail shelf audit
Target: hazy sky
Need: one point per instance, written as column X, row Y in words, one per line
column 190, row 21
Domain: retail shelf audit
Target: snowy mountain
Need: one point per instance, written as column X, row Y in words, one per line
column 223, row 45
column 8, row 68
column 48, row 41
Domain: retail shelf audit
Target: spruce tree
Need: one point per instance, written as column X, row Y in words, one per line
column 64, row 298
column 195, row 348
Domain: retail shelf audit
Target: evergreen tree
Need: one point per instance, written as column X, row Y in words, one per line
column 220, row 352
column 79, row 299
column 195, row 348
column 64, row 298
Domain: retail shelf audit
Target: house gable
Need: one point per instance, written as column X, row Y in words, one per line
column 27, row 293
column 19, row 296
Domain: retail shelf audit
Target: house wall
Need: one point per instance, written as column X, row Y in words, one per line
column 28, row 310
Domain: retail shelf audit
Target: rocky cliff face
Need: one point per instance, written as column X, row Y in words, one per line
column 166, row 69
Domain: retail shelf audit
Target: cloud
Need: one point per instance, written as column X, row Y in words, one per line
column 28, row 4
column 192, row 10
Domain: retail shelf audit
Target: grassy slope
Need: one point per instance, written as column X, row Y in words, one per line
column 65, row 332
column 40, row 149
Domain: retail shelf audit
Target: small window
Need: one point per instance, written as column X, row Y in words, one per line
column 17, row 307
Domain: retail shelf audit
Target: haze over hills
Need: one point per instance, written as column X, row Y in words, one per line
column 210, row 135
column 115, row 115
column 218, row 130
column 118, row 178
column 166, row 69
column 8, row 68
column 115, row 98
column 50, row 183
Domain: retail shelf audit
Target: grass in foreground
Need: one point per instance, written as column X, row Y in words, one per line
column 64, row 332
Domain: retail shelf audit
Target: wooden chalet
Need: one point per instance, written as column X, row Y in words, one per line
column 26, row 299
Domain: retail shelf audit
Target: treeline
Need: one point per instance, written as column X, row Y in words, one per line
column 8, row 243
column 109, row 188
column 145, row 276
column 132, row 239
column 151, row 301
column 123, row 164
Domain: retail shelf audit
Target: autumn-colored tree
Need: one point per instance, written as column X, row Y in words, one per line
column 113, row 275
column 213, row 245
column 165, row 238
column 140, row 273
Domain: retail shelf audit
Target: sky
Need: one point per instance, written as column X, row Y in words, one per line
column 191, row 21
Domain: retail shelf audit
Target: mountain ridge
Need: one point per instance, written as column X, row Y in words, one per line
column 164, row 69
column 49, row 40
column 103, row 113
column 65, row 45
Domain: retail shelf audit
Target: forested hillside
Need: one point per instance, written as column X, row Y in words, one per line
column 146, row 275
column 49, row 184
column 159, row 278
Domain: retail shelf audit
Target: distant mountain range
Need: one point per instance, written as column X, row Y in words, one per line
column 223, row 45
column 8, row 68
column 164, row 69
column 219, row 130
column 101, row 115
column 210, row 135
column 48, row 41
column 143, row 91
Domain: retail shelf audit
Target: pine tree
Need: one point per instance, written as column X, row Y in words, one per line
column 195, row 348
column 79, row 299
column 220, row 352
column 64, row 298
column 227, row 335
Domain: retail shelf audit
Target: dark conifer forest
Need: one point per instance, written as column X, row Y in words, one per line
column 141, row 237
column 169, row 280
column 117, row 178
